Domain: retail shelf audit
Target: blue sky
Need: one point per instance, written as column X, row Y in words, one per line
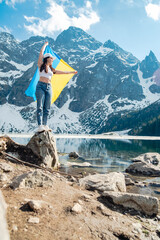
column 133, row 24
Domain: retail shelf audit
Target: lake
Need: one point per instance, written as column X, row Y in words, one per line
column 99, row 155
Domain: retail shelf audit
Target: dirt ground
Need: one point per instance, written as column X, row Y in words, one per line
column 57, row 221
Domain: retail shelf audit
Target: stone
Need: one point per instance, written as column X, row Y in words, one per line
column 44, row 146
column 112, row 181
column 77, row 208
column 33, row 220
column 4, row 234
column 142, row 168
column 145, row 204
column 6, row 167
column 14, row 228
column 32, row 179
column 153, row 158
column 73, row 155
column 74, row 164
column 36, row 205
column 147, row 164
column 86, row 197
column 129, row 181
column 3, row 178
column 3, row 145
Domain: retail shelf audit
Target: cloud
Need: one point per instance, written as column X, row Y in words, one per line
column 5, row 29
column 153, row 11
column 59, row 20
column 12, row 2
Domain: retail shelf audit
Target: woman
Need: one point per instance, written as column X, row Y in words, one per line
column 44, row 89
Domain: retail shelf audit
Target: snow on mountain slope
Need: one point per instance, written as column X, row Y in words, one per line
column 11, row 120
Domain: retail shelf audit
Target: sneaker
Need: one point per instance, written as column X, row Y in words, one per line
column 41, row 128
column 47, row 128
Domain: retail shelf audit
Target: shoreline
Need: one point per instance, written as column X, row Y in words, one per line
column 88, row 136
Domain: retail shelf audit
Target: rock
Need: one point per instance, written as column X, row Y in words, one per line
column 32, row 179
column 129, row 181
column 141, row 168
column 77, row 208
column 153, row 158
column 137, row 227
column 147, row 164
column 33, row 219
column 36, row 205
column 6, row 167
column 14, row 228
column 72, row 179
column 44, row 146
column 3, row 178
column 3, row 145
column 74, row 164
column 86, row 197
column 4, row 234
column 145, row 204
column 73, row 155
column 112, row 181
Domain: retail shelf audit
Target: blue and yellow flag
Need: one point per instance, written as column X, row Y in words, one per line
column 58, row 81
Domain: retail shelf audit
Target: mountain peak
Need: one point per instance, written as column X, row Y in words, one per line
column 149, row 65
column 112, row 45
column 75, row 37
column 152, row 56
column 6, row 36
column 120, row 52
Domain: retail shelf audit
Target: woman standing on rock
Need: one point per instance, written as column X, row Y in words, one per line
column 44, row 89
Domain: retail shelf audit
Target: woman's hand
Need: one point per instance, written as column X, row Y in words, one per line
column 46, row 43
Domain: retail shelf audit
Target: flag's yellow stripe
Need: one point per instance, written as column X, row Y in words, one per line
column 60, row 80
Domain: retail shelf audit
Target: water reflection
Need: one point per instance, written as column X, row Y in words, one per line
column 104, row 154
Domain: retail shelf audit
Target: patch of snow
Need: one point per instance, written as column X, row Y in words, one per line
column 64, row 119
column 11, row 119
column 15, row 74
column 146, row 83
column 21, row 67
column 92, row 65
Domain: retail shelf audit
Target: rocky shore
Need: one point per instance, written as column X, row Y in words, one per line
column 38, row 202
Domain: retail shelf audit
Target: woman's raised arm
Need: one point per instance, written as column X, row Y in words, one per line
column 40, row 59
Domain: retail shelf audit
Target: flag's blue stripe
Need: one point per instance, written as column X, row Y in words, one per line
column 31, row 90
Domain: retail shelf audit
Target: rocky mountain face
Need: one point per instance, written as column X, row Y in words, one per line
column 111, row 84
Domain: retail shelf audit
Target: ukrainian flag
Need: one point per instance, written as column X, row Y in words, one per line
column 58, row 81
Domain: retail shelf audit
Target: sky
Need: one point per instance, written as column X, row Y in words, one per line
column 133, row 24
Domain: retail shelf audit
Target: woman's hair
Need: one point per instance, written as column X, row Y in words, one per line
column 44, row 66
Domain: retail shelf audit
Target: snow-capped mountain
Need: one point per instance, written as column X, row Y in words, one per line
column 110, row 83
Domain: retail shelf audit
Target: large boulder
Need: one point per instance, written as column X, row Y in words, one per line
column 4, row 234
column 32, row 179
column 44, row 146
column 150, row 157
column 112, row 181
column 145, row 204
column 147, row 164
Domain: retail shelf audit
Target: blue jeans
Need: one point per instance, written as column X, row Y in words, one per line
column 44, row 96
